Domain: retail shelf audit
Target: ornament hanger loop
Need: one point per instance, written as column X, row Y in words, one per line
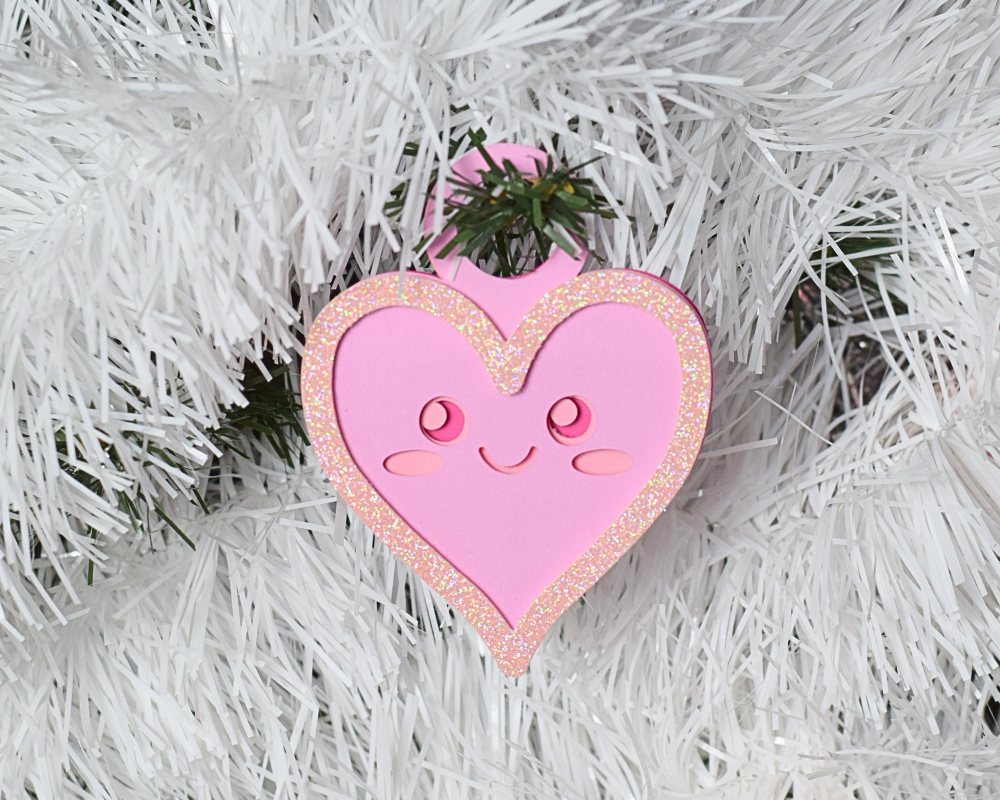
column 504, row 300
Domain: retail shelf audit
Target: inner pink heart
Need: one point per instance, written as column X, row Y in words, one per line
column 508, row 501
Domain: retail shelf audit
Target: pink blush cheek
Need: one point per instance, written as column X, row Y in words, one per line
column 413, row 463
column 602, row 462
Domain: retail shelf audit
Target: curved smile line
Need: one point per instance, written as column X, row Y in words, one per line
column 520, row 466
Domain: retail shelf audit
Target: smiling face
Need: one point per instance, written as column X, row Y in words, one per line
column 571, row 421
column 511, row 489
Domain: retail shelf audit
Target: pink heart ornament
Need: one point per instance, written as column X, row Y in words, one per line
column 505, row 516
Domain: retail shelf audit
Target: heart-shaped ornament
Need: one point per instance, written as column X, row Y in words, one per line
column 509, row 439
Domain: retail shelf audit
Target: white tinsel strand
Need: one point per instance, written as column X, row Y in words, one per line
column 817, row 613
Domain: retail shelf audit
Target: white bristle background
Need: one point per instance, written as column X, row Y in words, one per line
column 184, row 185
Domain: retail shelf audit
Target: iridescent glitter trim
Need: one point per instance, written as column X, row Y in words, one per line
column 508, row 363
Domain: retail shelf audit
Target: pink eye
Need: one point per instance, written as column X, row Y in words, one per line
column 444, row 421
column 572, row 420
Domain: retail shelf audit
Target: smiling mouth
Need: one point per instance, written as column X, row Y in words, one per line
column 520, row 466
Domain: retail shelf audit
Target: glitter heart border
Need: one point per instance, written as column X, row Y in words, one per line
column 508, row 363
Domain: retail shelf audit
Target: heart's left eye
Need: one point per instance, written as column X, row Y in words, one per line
column 572, row 420
column 444, row 421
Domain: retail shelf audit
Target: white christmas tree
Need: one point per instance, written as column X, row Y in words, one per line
column 185, row 608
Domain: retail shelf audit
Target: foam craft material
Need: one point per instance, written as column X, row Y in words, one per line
column 509, row 439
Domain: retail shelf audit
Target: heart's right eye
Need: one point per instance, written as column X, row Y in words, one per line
column 572, row 420
column 444, row 421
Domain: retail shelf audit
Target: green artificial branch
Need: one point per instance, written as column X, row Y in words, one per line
column 272, row 413
column 867, row 253
column 512, row 217
column 509, row 208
